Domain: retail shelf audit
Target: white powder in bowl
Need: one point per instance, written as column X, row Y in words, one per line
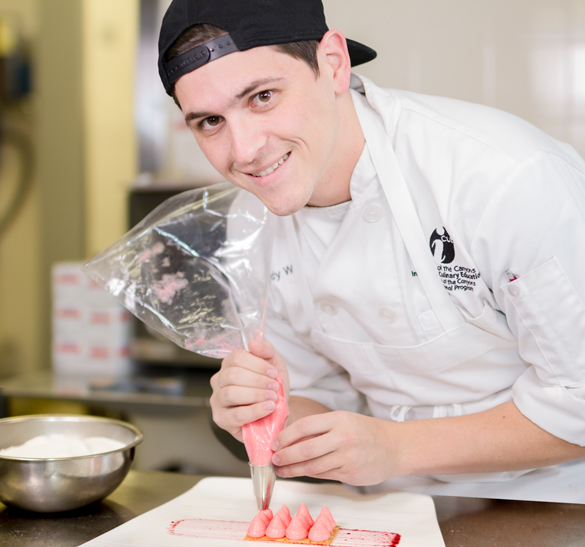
column 62, row 446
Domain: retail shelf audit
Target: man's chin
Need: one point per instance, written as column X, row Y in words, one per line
column 282, row 209
column 277, row 199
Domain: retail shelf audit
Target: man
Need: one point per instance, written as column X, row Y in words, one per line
column 427, row 296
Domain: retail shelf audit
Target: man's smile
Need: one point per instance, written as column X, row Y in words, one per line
column 272, row 168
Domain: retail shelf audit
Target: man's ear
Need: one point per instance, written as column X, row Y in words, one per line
column 334, row 59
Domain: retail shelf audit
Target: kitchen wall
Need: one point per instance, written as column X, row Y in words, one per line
column 110, row 40
column 80, row 122
column 20, row 325
column 523, row 56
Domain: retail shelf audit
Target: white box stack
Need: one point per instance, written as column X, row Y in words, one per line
column 91, row 329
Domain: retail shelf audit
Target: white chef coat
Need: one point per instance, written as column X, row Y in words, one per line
column 357, row 324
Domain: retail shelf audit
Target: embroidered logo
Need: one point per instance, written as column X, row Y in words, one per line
column 444, row 244
column 455, row 277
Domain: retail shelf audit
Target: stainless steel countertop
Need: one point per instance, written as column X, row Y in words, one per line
column 464, row 522
column 194, row 389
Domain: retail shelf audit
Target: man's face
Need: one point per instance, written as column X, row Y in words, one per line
column 268, row 124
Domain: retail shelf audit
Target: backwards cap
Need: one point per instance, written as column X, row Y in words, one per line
column 249, row 24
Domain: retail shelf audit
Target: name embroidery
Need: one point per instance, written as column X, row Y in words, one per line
column 275, row 276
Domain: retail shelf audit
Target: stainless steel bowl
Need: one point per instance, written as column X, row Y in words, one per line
column 50, row 485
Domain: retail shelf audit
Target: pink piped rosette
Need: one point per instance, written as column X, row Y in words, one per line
column 299, row 529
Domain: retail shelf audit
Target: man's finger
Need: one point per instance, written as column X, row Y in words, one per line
column 325, row 466
column 304, row 428
column 233, row 396
column 247, row 360
column 305, row 450
column 236, row 417
column 242, row 377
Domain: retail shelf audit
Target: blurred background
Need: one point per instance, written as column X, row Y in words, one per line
column 89, row 143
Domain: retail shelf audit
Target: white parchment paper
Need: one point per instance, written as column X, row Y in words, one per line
column 231, row 499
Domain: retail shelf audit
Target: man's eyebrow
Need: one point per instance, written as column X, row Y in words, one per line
column 238, row 97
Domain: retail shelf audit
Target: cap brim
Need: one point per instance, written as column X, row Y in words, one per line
column 359, row 53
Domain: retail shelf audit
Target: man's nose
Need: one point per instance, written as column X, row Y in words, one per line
column 248, row 138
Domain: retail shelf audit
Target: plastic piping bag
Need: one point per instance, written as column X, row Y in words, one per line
column 197, row 270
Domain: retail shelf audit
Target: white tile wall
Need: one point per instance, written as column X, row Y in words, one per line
column 523, row 56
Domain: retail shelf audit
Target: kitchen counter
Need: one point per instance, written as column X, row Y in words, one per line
column 464, row 522
column 149, row 388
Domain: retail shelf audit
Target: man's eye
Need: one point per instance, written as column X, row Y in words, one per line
column 212, row 121
column 264, row 96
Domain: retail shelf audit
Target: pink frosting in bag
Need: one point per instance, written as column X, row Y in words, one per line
column 258, row 435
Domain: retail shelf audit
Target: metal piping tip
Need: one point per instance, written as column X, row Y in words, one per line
column 263, row 479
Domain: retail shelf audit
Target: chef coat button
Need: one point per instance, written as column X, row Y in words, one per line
column 328, row 309
column 515, row 291
column 386, row 314
column 372, row 213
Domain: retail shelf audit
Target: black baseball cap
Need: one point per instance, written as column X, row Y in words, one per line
column 249, row 24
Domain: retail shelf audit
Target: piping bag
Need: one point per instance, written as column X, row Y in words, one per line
column 197, row 271
column 258, row 437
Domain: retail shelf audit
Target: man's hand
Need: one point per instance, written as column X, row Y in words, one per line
column 342, row 446
column 245, row 388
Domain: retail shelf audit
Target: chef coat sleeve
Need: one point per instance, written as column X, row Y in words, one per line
column 535, row 226
column 312, row 375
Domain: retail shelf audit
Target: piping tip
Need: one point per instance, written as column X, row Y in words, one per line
column 263, row 479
